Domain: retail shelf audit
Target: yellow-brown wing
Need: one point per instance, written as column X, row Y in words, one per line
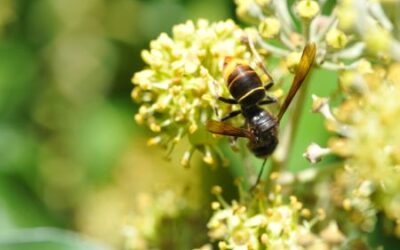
column 223, row 128
column 306, row 62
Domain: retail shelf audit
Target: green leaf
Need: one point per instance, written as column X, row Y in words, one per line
column 101, row 137
column 17, row 73
column 19, row 208
column 46, row 239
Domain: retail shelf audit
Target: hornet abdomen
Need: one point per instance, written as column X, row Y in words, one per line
column 264, row 127
column 243, row 83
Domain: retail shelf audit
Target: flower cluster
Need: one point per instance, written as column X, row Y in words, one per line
column 269, row 222
column 273, row 20
column 369, row 141
column 140, row 230
column 357, row 39
column 354, row 196
column 178, row 89
column 347, row 33
column 373, row 25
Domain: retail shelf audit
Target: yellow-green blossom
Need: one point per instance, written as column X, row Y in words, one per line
column 336, row 39
column 368, row 125
column 371, row 23
column 307, row 8
column 267, row 221
column 378, row 40
column 177, row 90
column 292, row 61
column 351, row 31
column 269, row 27
column 374, row 141
column 354, row 196
column 251, row 10
column 346, row 14
column 140, row 230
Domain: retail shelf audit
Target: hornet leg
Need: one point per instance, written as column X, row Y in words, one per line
column 259, row 175
column 269, row 99
column 227, row 100
column 230, row 115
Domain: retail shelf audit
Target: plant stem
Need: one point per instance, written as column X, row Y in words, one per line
column 281, row 154
column 275, row 50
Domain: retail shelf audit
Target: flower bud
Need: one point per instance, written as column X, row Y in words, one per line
column 215, row 205
column 207, row 158
column 314, row 153
column 269, row 27
column 346, row 15
column 186, row 158
column 154, row 141
column 247, row 10
column 216, row 190
column 332, row 234
column 378, row 40
column 321, row 105
column 307, row 9
column 292, row 61
column 336, row 39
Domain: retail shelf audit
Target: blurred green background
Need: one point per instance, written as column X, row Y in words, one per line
column 72, row 159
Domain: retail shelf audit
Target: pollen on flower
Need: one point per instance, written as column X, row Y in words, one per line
column 177, row 90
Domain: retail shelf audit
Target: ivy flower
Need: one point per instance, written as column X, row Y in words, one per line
column 272, row 221
column 177, row 90
column 351, row 31
column 141, row 228
column 369, row 141
column 307, row 8
column 370, row 24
